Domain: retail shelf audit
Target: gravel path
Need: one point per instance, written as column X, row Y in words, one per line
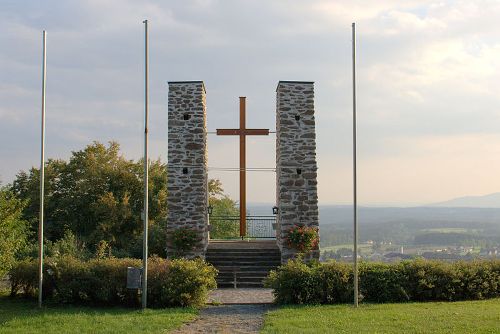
column 241, row 296
column 242, row 311
column 227, row 319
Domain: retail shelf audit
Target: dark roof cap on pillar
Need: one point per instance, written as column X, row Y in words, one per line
column 293, row 82
column 188, row 82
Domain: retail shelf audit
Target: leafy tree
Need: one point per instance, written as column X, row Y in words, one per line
column 97, row 195
column 222, row 208
column 26, row 187
column 13, row 229
column 215, row 188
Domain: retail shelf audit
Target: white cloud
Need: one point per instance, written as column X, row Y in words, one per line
column 427, row 78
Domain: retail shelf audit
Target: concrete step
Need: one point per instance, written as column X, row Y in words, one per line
column 241, row 279
column 245, row 268
column 263, row 263
column 243, row 249
column 240, row 285
column 243, row 274
column 275, row 256
column 240, row 254
column 249, row 267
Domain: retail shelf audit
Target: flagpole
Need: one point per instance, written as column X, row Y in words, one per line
column 42, row 173
column 354, row 165
column 146, row 174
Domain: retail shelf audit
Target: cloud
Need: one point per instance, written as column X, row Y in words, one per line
column 427, row 77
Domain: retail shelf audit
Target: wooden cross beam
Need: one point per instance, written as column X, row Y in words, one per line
column 243, row 132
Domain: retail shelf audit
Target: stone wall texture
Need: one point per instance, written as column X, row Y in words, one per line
column 296, row 167
column 187, row 162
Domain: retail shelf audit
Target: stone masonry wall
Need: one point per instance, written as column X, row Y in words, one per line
column 296, row 168
column 187, row 162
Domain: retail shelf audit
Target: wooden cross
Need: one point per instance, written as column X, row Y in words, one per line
column 243, row 132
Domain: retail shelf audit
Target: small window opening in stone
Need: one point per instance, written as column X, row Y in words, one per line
column 186, row 117
column 184, row 170
column 299, row 171
column 297, row 117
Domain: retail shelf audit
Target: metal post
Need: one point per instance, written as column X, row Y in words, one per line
column 42, row 174
column 354, row 165
column 146, row 174
column 243, row 175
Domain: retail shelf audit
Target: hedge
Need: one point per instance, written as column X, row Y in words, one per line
column 178, row 282
column 419, row 280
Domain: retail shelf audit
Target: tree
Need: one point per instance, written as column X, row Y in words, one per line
column 97, row 195
column 26, row 187
column 13, row 229
column 224, row 212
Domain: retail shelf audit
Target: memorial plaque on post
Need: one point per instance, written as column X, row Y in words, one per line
column 134, row 277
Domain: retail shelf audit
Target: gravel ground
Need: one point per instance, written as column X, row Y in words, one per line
column 241, row 296
column 227, row 319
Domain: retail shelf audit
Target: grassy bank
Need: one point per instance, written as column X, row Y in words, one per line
column 22, row 316
column 458, row 317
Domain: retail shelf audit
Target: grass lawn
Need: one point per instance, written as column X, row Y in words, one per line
column 22, row 316
column 457, row 317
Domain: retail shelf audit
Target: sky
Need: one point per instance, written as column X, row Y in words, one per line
column 427, row 86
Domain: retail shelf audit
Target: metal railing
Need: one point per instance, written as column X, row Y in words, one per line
column 228, row 227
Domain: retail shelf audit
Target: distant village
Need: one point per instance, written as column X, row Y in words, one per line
column 388, row 252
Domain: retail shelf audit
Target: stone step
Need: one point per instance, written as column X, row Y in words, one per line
column 245, row 268
column 239, row 254
column 241, row 279
column 248, row 267
column 237, row 249
column 264, row 263
column 244, row 262
column 243, row 249
column 241, row 285
column 276, row 256
column 244, row 274
column 245, row 258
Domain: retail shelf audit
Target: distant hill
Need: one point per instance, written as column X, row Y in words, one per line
column 486, row 201
column 472, row 225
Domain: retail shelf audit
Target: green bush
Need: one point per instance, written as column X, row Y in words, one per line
column 13, row 229
column 431, row 280
column 184, row 239
column 336, row 282
column 68, row 245
column 180, row 282
column 382, row 282
column 24, row 278
column 297, row 283
column 419, row 280
column 103, row 281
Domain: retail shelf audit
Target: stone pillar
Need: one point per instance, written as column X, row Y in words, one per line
column 187, row 199
column 296, row 168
